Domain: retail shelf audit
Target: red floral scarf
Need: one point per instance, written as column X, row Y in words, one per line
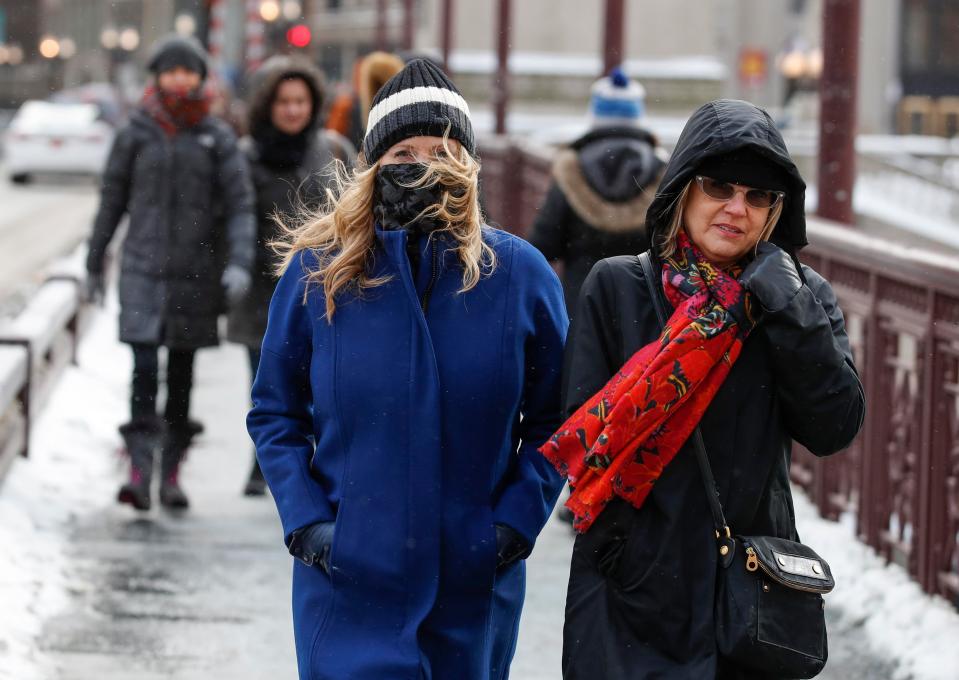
column 620, row 440
column 174, row 112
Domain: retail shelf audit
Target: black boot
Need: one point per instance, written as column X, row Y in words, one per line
column 176, row 441
column 140, row 437
column 255, row 485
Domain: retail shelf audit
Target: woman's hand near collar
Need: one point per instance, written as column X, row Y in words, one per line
column 772, row 277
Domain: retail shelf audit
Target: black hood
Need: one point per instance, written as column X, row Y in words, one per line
column 618, row 163
column 716, row 129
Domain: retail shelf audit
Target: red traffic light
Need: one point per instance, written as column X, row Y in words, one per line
column 299, row 35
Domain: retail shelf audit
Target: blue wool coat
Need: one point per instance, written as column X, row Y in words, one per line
column 415, row 433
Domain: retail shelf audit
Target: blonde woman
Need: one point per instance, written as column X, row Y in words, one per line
column 409, row 371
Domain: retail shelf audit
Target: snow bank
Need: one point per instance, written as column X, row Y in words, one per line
column 917, row 632
column 70, row 472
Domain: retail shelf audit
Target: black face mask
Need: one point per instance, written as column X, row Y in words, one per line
column 397, row 205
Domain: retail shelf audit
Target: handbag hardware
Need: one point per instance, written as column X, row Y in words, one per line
column 753, row 563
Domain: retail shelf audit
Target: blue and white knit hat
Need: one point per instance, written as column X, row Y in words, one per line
column 419, row 100
column 616, row 100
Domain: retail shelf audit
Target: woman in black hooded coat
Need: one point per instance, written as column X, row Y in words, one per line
column 641, row 590
column 289, row 157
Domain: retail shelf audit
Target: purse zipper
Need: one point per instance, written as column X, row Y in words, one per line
column 753, row 561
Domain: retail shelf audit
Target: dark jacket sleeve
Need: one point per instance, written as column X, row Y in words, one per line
column 822, row 399
column 532, row 486
column 114, row 195
column 593, row 352
column 280, row 422
column 548, row 234
column 236, row 190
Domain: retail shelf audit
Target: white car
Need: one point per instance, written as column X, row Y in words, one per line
column 57, row 138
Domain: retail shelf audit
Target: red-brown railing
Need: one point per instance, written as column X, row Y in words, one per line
column 900, row 478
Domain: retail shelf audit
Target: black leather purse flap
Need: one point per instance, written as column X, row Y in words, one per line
column 792, row 564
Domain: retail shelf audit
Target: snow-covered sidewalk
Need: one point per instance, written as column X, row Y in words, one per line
column 61, row 532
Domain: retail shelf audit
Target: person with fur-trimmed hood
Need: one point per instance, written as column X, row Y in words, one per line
column 290, row 157
column 602, row 185
column 178, row 173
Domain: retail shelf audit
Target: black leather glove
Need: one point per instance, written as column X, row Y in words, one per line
column 313, row 545
column 510, row 545
column 93, row 288
column 236, row 283
column 772, row 277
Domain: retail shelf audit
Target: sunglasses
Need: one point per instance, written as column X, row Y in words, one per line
column 724, row 191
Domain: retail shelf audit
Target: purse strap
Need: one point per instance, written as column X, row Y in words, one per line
column 723, row 533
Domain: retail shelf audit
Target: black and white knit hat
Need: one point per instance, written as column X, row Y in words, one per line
column 419, row 100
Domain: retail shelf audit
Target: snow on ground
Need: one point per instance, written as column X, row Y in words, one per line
column 901, row 622
column 68, row 476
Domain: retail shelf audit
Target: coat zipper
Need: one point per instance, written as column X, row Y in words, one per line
column 434, row 271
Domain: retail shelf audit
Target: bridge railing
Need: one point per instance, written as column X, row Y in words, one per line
column 35, row 347
column 899, row 481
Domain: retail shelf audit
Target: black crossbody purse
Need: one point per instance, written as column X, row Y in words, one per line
column 768, row 609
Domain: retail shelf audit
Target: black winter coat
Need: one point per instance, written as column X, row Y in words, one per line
column 596, row 204
column 280, row 191
column 181, row 193
column 641, row 586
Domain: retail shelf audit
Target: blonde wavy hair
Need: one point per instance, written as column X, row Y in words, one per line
column 342, row 236
column 666, row 242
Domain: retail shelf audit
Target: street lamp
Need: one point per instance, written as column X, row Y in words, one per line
column 110, row 38
column 270, row 10
column 129, row 39
column 49, row 47
column 185, row 24
column 68, row 48
column 291, row 10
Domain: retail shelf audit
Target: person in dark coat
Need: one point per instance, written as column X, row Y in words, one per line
column 290, row 158
column 602, row 185
column 756, row 353
column 410, row 369
column 170, row 170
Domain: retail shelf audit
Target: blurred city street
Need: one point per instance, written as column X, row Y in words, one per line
column 39, row 223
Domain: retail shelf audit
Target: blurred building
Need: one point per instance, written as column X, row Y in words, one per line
column 767, row 51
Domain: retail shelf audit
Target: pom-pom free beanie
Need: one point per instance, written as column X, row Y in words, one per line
column 419, row 100
column 177, row 50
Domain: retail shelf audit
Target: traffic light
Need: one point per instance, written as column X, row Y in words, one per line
column 299, row 35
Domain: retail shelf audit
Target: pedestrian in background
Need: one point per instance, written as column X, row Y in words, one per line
column 602, row 185
column 410, row 369
column 351, row 108
column 755, row 353
column 290, row 157
column 170, row 169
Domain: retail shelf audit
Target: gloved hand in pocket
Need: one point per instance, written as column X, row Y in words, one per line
column 313, row 545
column 510, row 545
